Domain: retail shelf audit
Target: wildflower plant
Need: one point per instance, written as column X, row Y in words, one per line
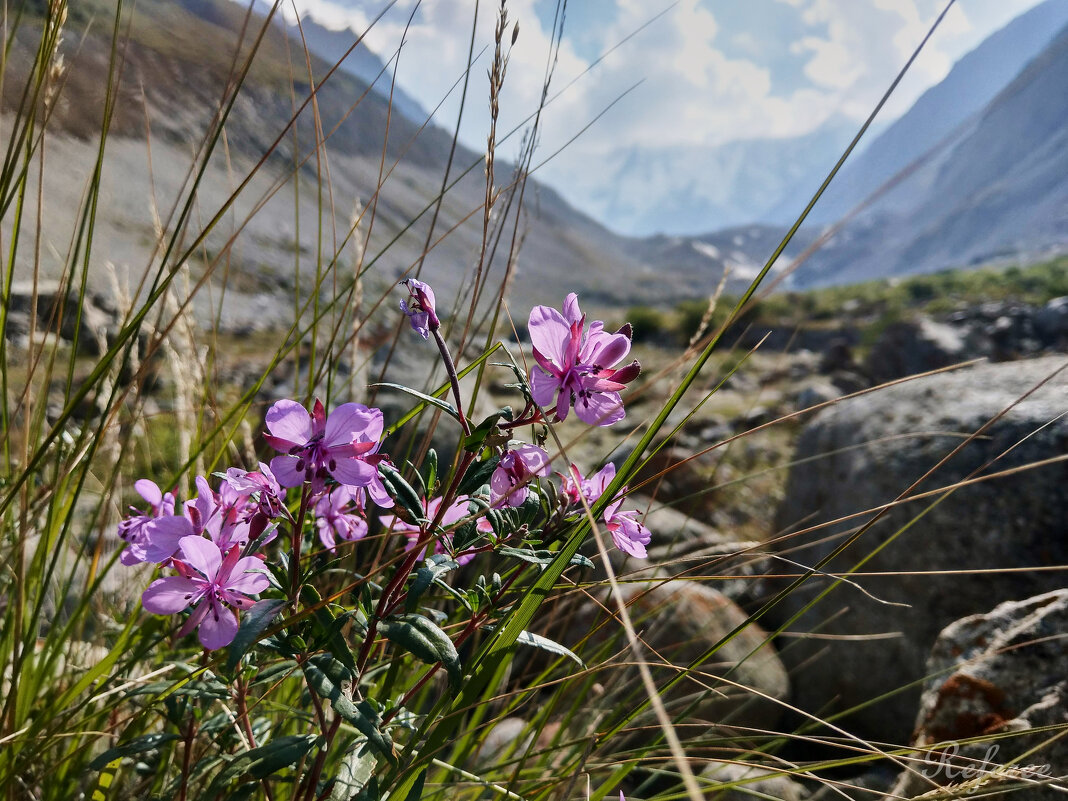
column 248, row 562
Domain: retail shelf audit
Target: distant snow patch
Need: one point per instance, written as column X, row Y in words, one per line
column 705, row 249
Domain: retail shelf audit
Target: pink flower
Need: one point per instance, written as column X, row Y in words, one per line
column 420, row 310
column 152, row 536
column 223, row 515
column 211, row 582
column 576, row 368
column 339, row 514
column 452, row 515
column 271, row 497
column 342, row 446
column 517, row 468
column 628, row 534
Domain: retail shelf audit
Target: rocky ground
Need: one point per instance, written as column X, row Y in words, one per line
column 951, row 614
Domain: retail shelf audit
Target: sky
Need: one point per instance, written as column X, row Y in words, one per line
column 653, row 74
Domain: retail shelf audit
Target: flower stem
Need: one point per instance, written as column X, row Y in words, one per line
column 298, row 535
column 450, row 368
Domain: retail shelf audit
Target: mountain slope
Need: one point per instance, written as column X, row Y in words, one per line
column 679, row 191
column 177, row 64
column 971, row 84
column 1000, row 191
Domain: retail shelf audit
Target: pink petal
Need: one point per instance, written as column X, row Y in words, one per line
column 543, row 387
column 285, row 470
column 534, row 459
column 600, row 408
column 456, row 512
column 572, row 312
column 249, row 576
column 549, row 333
column 350, row 420
column 203, row 555
column 354, row 472
column 326, row 534
column 218, row 628
column 500, row 482
column 629, row 535
column 605, row 350
column 149, row 491
column 163, row 536
column 289, row 421
column 170, row 595
column 377, row 490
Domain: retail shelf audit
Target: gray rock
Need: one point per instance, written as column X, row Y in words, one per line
column 684, row 546
column 815, row 393
column 93, row 327
column 1051, row 322
column 907, row 348
column 864, row 452
column 1005, row 672
column 680, row 621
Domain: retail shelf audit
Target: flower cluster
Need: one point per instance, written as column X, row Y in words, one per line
column 214, row 544
column 210, row 540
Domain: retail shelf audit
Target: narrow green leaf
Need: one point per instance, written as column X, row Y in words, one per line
column 477, row 474
column 485, row 430
column 276, row 672
column 261, row 762
column 545, row 644
column 356, row 770
column 329, row 627
column 445, row 406
column 138, row 745
column 430, row 462
column 541, row 557
column 417, row 789
column 402, row 491
column 437, row 565
column 361, row 715
column 253, row 623
column 426, row 642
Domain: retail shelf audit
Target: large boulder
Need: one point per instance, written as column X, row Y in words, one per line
column 678, row 623
column 907, row 348
column 80, row 319
column 685, row 547
column 929, row 562
column 1003, row 676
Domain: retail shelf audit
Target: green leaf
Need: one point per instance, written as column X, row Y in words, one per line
column 402, row 491
column 276, row 672
column 329, row 627
column 361, row 715
column 485, row 429
column 354, row 774
column 428, row 643
column 417, row 789
column 138, row 745
column 545, row 644
column 261, row 762
column 253, row 623
column 445, row 406
column 430, row 461
column 540, row 557
column 477, row 474
column 437, row 565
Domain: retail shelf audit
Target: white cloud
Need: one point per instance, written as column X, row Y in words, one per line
column 691, row 92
